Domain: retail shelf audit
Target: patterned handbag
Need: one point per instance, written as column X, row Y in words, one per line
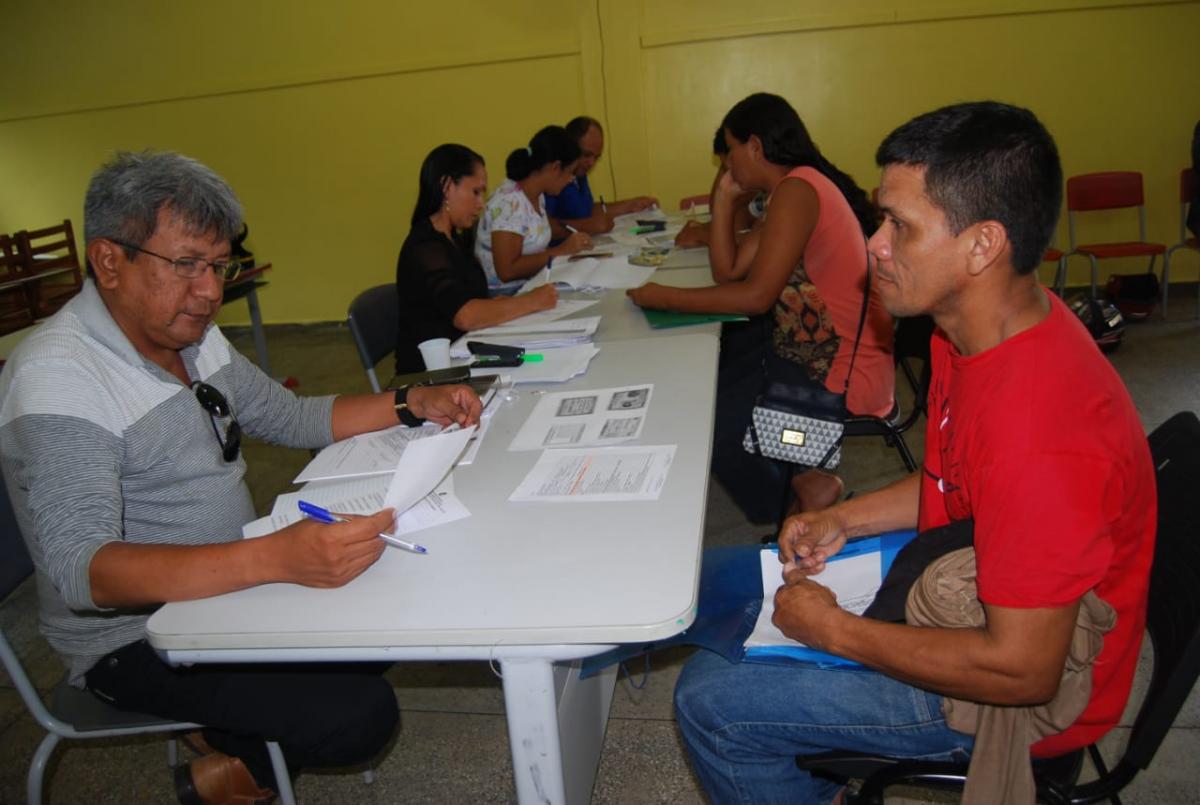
column 802, row 424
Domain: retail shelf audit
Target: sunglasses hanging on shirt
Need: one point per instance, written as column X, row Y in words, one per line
column 216, row 405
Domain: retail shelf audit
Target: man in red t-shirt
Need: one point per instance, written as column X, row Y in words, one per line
column 1031, row 435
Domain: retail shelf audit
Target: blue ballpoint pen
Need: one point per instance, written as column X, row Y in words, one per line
column 315, row 512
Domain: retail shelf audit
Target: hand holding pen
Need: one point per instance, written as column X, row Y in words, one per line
column 314, row 512
column 317, row 555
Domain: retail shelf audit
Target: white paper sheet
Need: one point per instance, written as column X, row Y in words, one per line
column 423, row 465
column 536, row 336
column 376, row 453
column 854, row 580
column 556, row 366
column 361, row 496
column 366, row 454
column 597, row 474
column 585, row 418
column 607, row 272
column 565, row 307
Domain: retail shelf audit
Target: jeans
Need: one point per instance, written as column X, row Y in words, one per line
column 321, row 715
column 743, row 725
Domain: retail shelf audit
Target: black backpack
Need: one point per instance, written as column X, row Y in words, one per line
column 1135, row 295
column 1101, row 318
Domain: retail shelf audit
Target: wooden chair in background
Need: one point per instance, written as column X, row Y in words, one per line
column 15, row 312
column 51, row 265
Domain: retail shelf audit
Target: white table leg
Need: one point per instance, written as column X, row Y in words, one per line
column 556, row 728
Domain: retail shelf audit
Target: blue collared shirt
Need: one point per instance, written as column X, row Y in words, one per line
column 574, row 202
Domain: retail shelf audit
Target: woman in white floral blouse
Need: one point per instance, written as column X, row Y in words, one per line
column 514, row 232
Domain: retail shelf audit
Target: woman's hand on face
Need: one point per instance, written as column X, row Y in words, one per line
column 727, row 187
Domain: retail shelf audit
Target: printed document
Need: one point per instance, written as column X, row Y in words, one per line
column 362, row 496
column 597, row 474
column 607, row 272
column 854, row 580
column 376, row 453
column 536, row 336
column 585, row 418
column 423, row 465
column 565, row 307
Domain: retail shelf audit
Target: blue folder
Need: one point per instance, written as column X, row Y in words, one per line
column 731, row 597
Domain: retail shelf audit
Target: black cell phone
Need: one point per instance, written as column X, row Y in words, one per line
column 657, row 225
column 432, row 377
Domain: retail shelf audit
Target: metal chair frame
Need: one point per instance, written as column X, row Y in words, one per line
column 78, row 715
column 1187, row 184
column 1119, row 193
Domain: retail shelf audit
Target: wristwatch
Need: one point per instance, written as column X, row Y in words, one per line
column 403, row 412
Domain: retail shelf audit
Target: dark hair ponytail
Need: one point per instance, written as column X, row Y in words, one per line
column 449, row 161
column 551, row 144
column 786, row 141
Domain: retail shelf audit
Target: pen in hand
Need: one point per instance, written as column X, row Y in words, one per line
column 315, row 512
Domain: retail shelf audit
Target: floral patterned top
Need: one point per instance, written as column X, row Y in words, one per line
column 509, row 210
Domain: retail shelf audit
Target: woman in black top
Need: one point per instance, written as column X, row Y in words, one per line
column 443, row 290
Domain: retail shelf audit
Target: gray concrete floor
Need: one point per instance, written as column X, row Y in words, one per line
column 452, row 745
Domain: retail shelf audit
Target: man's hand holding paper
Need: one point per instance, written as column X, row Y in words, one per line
column 445, row 405
column 804, row 609
column 808, row 540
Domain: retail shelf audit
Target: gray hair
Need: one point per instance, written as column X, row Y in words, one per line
column 125, row 195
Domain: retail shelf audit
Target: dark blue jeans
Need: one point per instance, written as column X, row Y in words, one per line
column 743, row 725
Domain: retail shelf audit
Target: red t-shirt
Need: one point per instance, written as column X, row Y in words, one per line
column 1038, row 441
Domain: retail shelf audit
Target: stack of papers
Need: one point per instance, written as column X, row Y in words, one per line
column 413, row 487
column 531, row 335
column 556, row 366
column 605, row 273
column 565, row 307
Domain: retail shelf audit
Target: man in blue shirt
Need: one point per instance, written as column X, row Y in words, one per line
column 574, row 207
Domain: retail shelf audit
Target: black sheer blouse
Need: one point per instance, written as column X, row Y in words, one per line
column 435, row 277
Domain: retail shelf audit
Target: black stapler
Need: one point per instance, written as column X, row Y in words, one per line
column 495, row 355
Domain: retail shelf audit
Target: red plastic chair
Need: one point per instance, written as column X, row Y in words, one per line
column 1112, row 190
column 1187, row 187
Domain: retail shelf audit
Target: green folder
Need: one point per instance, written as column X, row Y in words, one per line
column 662, row 319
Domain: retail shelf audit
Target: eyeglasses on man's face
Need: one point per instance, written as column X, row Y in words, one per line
column 191, row 267
column 216, row 405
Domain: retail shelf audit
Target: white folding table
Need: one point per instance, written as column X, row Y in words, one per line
column 533, row 586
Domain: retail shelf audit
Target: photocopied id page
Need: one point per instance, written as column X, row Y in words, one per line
column 597, row 474
column 583, row 418
column 854, row 580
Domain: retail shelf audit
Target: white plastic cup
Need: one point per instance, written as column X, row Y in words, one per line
column 436, row 353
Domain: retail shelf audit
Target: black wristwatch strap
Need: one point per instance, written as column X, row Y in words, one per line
column 403, row 413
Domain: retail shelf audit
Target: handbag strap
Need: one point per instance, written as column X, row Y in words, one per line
column 862, row 319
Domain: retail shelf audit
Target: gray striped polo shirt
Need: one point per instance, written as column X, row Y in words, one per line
column 98, row 444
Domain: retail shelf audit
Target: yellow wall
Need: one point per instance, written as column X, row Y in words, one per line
column 319, row 114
